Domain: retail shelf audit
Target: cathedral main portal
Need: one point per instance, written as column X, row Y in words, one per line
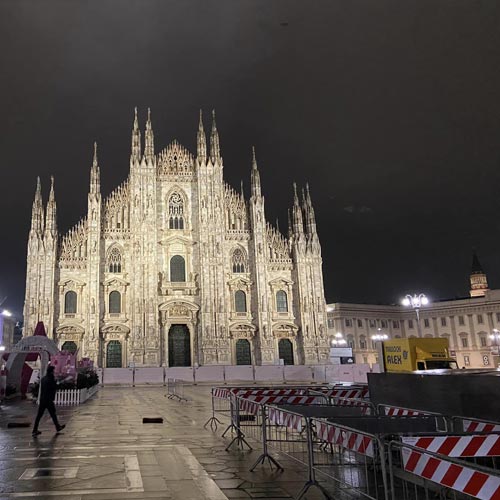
column 179, row 346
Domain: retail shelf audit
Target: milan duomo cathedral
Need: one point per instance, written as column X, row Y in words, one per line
column 177, row 268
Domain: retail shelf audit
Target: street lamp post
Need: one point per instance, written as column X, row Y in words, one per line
column 495, row 336
column 416, row 302
column 338, row 340
column 6, row 314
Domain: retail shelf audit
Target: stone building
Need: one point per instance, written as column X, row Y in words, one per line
column 472, row 324
column 176, row 268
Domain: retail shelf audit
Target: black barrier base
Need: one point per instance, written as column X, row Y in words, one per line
column 240, row 440
column 213, row 421
column 230, row 427
column 262, row 460
column 311, row 483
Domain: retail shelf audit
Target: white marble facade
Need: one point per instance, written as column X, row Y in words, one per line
column 177, row 268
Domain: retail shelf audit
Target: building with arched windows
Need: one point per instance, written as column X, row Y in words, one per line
column 175, row 267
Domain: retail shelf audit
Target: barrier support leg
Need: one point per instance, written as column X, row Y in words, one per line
column 235, row 417
column 312, row 476
column 213, row 420
column 265, row 453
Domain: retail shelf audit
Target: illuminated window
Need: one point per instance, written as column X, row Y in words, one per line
column 348, row 322
column 238, row 261
column 175, row 212
column 177, row 269
column 240, row 301
column 70, row 300
column 281, row 301
column 115, row 302
column 115, row 261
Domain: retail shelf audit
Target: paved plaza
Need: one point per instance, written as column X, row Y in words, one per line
column 106, row 452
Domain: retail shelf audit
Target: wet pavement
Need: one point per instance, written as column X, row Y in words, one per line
column 106, row 452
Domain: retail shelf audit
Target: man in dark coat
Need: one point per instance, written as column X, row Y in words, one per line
column 48, row 388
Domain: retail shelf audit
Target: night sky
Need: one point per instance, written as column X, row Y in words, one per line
column 389, row 109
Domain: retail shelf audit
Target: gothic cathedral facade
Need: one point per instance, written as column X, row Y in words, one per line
column 176, row 268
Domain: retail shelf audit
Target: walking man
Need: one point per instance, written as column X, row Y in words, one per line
column 48, row 388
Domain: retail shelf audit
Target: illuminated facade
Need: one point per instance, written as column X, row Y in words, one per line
column 176, row 268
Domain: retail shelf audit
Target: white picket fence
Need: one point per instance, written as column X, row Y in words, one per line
column 69, row 397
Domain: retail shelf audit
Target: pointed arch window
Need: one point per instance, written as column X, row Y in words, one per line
column 281, row 301
column 70, row 302
column 115, row 302
column 239, row 261
column 115, row 261
column 175, row 211
column 240, row 301
column 177, row 269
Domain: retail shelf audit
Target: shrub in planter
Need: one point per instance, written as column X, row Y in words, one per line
column 87, row 378
column 10, row 390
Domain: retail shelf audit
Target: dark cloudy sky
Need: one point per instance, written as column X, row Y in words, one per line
column 390, row 109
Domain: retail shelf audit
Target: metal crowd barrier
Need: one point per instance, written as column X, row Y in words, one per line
column 298, row 432
column 222, row 405
column 415, row 474
column 175, row 389
column 442, row 421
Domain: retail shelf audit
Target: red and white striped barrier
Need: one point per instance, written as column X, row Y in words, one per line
column 394, row 411
column 475, row 426
column 221, row 393
column 458, row 446
column 457, row 477
column 289, row 420
column 347, row 439
column 251, row 404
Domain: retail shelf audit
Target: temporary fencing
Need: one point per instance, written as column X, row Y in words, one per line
column 458, row 446
column 475, row 425
column 222, row 404
column 415, row 474
column 175, row 389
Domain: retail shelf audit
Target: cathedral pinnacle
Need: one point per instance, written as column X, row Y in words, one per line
column 136, row 140
column 95, row 173
column 149, row 148
column 201, row 140
column 255, row 177
column 50, row 218
column 37, row 217
column 214, row 140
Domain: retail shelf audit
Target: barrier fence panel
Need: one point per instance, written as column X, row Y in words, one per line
column 175, row 389
column 462, row 424
column 415, row 474
column 352, row 459
column 442, row 422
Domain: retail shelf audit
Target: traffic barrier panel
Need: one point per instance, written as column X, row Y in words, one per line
column 458, row 446
column 415, row 474
column 243, row 373
column 469, row 425
column 269, row 373
column 149, row 375
column 180, row 373
column 118, row 376
column 297, row 373
column 209, row 374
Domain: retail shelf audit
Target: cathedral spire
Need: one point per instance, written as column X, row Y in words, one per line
column 201, row 140
column 50, row 218
column 37, row 218
column 297, row 218
column 214, row 141
column 290, row 229
column 95, row 174
column 136, row 141
column 149, row 140
column 309, row 214
column 255, row 176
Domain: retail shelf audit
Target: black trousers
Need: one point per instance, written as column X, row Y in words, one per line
column 46, row 405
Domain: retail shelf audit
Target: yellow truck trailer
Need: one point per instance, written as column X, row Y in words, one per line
column 407, row 355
